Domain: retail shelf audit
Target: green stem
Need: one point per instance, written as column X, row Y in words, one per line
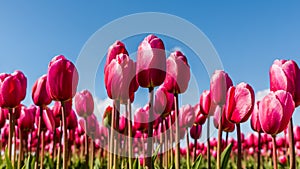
column 11, row 131
column 20, row 148
column 239, row 160
column 65, row 134
column 129, row 135
column 208, row 143
column 291, row 145
column 37, row 153
column 188, row 149
column 43, row 150
column 150, row 131
column 274, row 152
column 258, row 152
column 177, row 139
column 219, row 146
column 86, row 144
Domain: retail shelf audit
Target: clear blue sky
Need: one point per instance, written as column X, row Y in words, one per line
column 248, row 35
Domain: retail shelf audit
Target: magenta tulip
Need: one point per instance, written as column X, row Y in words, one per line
column 72, row 121
column 200, row 117
column 178, row 73
column 47, row 118
column 92, row 124
column 141, row 118
column 40, row 95
column 219, row 84
column 3, row 116
column 151, row 62
column 275, row 111
column 62, row 79
column 123, row 124
column 297, row 89
column 57, row 108
column 26, row 119
column 164, row 102
column 84, row 103
column 240, row 103
column 196, row 131
column 12, row 89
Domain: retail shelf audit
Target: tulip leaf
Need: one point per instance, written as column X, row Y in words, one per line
column 136, row 164
column 197, row 162
column 7, row 160
column 27, row 163
column 155, row 154
column 225, row 156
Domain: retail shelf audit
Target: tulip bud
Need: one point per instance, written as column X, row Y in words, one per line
column 200, row 117
column 255, row 122
column 71, row 121
column 207, row 106
column 12, row 89
column 196, row 131
column 115, row 49
column 164, row 102
column 40, row 95
column 240, row 103
column 2, row 117
column 151, row 62
column 84, row 103
column 107, row 116
column 219, row 84
column 178, row 73
column 226, row 125
column 186, row 116
column 62, row 79
column 26, row 119
column 275, row 111
column 120, row 80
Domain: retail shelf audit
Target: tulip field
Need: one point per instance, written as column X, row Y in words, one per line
column 61, row 130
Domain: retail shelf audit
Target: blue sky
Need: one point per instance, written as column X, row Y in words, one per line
column 248, row 36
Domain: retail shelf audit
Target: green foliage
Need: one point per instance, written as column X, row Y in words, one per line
column 197, row 162
column 225, row 156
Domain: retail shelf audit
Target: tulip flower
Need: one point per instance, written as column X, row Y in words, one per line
column 12, row 92
column 239, row 106
column 150, row 72
column 219, row 84
column 62, row 81
column 84, row 103
column 176, row 82
column 107, row 116
column 227, row 126
column 200, row 117
column 195, row 133
column 255, row 125
column 3, row 117
column 163, row 102
column 275, row 112
column 115, row 49
column 284, row 76
column 186, row 116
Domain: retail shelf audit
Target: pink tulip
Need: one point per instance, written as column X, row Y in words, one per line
column 123, row 124
column 115, row 49
column 151, row 62
column 207, row 106
column 297, row 89
column 283, row 74
column 275, row 111
column 255, row 122
column 62, row 79
column 164, row 102
column 26, row 119
column 12, row 89
column 200, row 117
column 297, row 133
column 92, row 124
column 120, row 81
column 141, row 118
column 196, row 131
column 219, row 84
column 226, row 125
column 186, row 116
column 40, row 95
column 178, row 73
column 240, row 103
column 84, row 103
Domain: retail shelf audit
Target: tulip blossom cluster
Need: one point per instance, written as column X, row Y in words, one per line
column 61, row 130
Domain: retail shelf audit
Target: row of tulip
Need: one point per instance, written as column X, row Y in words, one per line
column 156, row 128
